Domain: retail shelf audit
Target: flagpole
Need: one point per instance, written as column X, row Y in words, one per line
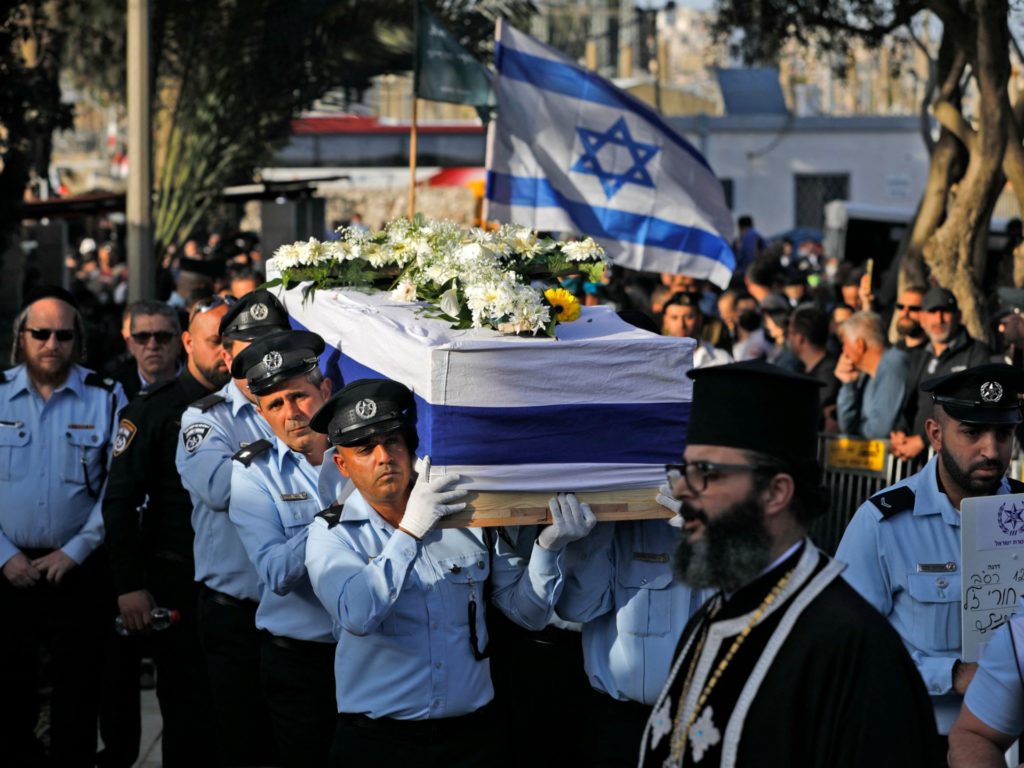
column 415, row 85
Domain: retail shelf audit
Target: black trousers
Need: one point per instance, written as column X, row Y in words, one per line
column 120, row 705
column 182, row 684
column 298, row 682
column 231, row 643
column 69, row 619
column 453, row 742
column 534, row 671
column 615, row 729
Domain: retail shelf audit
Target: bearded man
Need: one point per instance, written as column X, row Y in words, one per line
column 786, row 665
column 903, row 544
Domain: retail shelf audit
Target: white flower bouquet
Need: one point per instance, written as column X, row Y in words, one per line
column 471, row 278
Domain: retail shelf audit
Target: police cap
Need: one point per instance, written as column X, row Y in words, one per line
column 274, row 359
column 363, row 409
column 984, row 394
column 254, row 316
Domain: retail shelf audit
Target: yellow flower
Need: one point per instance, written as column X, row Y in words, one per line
column 566, row 307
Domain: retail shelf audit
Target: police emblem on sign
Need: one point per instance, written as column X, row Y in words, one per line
column 1011, row 519
column 272, row 360
column 366, row 409
column 193, row 436
column 991, row 391
column 125, row 432
column 258, row 311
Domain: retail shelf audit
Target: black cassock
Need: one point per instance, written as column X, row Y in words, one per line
column 820, row 680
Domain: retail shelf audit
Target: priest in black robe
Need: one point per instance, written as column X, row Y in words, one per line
column 786, row 665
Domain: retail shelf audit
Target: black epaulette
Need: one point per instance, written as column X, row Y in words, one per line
column 154, row 388
column 206, row 403
column 95, row 380
column 332, row 514
column 1016, row 486
column 893, row 501
column 3, row 377
column 246, row 455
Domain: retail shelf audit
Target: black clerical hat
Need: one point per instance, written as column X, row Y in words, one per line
column 254, row 316
column 756, row 406
column 275, row 359
column 984, row 394
column 365, row 408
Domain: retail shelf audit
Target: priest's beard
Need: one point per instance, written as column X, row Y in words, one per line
column 733, row 551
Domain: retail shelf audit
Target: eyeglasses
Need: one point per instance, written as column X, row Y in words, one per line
column 63, row 335
column 909, row 307
column 162, row 337
column 698, row 473
column 205, row 305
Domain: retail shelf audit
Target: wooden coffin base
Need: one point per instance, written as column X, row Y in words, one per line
column 491, row 508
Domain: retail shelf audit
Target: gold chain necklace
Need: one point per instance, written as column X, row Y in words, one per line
column 679, row 735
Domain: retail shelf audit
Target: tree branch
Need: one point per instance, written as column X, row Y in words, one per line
column 949, row 117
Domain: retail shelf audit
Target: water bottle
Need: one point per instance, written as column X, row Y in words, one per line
column 163, row 618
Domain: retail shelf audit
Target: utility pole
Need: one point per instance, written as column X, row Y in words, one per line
column 141, row 259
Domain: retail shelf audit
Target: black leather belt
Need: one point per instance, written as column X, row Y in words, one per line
column 230, row 601
column 299, row 646
column 421, row 729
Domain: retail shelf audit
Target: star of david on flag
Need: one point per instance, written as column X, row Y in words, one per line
column 618, row 134
column 570, row 152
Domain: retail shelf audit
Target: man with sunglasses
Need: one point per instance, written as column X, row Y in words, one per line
column 57, row 422
column 213, row 429
column 786, row 665
column 903, row 544
column 154, row 344
column 908, row 318
column 151, row 556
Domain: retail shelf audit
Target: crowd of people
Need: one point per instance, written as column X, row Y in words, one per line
column 265, row 531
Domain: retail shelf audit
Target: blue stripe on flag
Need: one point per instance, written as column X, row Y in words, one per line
column 577, row 83
column 630, row 433
column 609, row 223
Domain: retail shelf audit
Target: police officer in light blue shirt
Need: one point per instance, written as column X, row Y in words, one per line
column 212, row 430
column 621, row 585
column 992, row 716
column 413, row 679
column 903, row 544
column 57, row 425
column 274, row 496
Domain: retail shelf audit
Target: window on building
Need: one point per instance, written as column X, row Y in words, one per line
column 813, row 191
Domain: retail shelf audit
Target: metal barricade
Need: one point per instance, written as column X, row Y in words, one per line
column 854, row 470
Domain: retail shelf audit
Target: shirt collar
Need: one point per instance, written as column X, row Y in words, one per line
column 358, row 509
column 236, row 398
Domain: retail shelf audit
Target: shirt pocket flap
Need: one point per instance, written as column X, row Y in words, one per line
column 84, row 438
column 10, row 436
column 465, row 569
column 934, row 587
column 296, row 513
column 645, row 575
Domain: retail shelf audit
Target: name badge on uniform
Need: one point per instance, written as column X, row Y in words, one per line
column 12, row 424
column 650, row 557
column 300, row 496
column 936, row 567
column 81, row 426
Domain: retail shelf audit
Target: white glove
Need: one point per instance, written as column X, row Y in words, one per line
column 570, row 520
column 667, row 500
column 431, row 500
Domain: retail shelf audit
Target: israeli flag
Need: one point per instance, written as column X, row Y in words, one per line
column 571, row 152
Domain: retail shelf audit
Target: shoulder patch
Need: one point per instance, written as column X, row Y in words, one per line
column 332, row 514
column 125, row 434
column 193, row 435
column 206, row 403
column 154, row 388
column 1016, row 486
column 893, row 501
column 95, row 380
column 251, row 451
